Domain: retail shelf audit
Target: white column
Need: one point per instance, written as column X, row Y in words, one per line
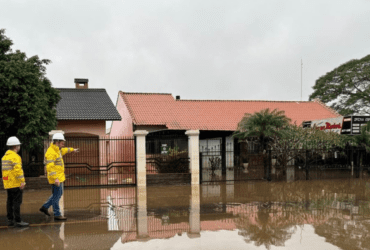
column 140, row 158
column 194, row 217
column 194, row 155
column 142, row 213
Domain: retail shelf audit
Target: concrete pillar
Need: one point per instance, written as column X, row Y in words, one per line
column 142, row 213
column 194, row 155
column 140, row 157
column 194, row 217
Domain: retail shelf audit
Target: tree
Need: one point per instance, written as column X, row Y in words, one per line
column 362, row 140
column 296, row 141
column 263, row 125
column 346, row 88
column 27, row 99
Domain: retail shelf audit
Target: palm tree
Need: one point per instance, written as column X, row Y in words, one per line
column 262, row 125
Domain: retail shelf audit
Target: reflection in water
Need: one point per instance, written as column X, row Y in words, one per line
column 142, row 220
column 194, row 216
column 262, row 228
column 248, row 215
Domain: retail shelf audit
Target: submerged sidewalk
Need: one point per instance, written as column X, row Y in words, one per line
column 149, row 218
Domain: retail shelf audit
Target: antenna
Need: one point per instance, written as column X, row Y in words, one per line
column 301, row 77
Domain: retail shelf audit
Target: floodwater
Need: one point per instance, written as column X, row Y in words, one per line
column 319, row 214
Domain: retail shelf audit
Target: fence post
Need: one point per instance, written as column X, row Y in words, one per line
column 358, row 165
column 200, row 168
column 361, row 160
column 194, row 155
column 352, row 161
column 140, row 157
column 223, row 155
column 307, row 170
column 269, row 166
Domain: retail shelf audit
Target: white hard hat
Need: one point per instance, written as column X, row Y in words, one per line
column 58, row 136
column 13, row 141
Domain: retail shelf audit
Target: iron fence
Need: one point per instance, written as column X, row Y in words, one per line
column 100, row 161
column 167, row 154
column 241, row 161
column 32, row 160
column 217, row 160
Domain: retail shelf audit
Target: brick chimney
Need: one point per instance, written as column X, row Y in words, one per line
column 82, row 83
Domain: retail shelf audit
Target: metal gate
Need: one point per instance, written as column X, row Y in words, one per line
column 100, row 162
column 235, row 167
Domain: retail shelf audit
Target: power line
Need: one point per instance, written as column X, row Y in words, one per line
column 301, row 76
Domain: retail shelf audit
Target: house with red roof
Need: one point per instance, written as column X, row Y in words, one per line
column 160, row 114
column 157, row 111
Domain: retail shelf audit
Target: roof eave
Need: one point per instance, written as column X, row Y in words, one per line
column 89, row 119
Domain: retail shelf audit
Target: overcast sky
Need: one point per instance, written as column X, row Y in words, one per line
column 204, row 49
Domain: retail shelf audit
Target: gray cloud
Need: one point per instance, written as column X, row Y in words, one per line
column 196, row 49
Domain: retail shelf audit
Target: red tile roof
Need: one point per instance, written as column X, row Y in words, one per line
column 163, row 109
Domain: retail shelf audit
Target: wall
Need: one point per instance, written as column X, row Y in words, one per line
column 123, row 127
column 86, row 128
column 151, row 128
column 82, row 126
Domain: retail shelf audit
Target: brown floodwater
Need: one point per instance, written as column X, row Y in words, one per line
column 317, row 214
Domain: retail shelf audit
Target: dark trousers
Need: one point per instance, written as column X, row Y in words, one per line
column 13, row 204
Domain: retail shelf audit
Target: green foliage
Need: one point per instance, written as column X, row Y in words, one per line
column 175, row 161
column 175, row 151
column 296, row 141
column 27, row 99
column 346, row 88
column 263, row 124
column 297, row 137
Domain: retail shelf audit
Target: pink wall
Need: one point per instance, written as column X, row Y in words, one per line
column 123, row 127
column 86, row 128
column 82, row 126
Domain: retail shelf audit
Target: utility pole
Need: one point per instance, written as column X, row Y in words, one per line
column 301, row 77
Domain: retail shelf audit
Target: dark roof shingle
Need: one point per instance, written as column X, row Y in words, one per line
column 86, row 104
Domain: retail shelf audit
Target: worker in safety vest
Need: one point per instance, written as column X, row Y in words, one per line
column 14, row 182
column 55, row 174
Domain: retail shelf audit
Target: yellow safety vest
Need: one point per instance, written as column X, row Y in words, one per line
column 55, row 163
column 12, row 171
